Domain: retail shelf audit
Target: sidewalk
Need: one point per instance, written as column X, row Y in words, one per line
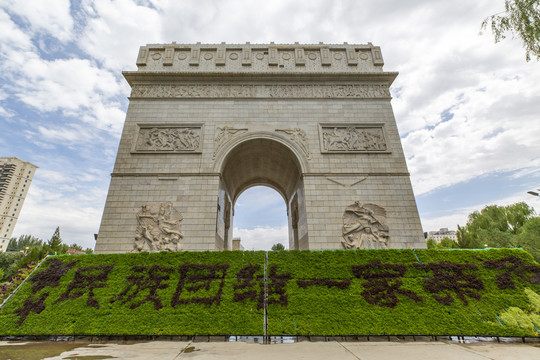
column 171, row 350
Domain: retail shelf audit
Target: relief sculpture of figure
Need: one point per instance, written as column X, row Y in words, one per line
column 224, row 134
column 169, row 139
column 338, row 139
column 353, row 139
column 158, row 228
column 300, row 137
column 373, row 141
column 364, row 227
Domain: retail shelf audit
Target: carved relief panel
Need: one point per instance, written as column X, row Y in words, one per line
column 364, row 227
column 346, row 138
column 158, row 228
column 166, row 139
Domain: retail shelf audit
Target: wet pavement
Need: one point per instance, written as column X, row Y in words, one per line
column 174, row 350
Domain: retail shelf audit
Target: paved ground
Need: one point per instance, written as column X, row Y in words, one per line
column 171, row 350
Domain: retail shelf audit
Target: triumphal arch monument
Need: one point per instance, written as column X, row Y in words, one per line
column 207, row 121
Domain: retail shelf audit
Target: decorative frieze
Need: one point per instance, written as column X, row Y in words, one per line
column 166, row 139
column 257, row 57
column 345, row 138
column 368, row 91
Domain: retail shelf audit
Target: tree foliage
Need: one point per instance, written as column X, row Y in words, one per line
column 445, row 243
column 278, row 246
column 8, row 264
column 27, row 248
column 529, row 237
column 495, row 226
column 55, row 242
column 502, row 227
column 522, row 19
column 23, row 242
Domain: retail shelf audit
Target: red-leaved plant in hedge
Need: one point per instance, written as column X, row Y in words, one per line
column 10, row 286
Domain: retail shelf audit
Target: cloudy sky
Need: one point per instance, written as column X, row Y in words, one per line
column 468, row 110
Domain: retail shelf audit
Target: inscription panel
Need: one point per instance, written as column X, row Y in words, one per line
column 168, row 139
column 352, row 138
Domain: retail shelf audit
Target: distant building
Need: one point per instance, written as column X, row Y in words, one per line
column 15, row 178
column 441, row 234
column 75, row 252
column 236, row 244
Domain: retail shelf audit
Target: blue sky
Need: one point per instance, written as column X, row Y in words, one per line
column 467, row 109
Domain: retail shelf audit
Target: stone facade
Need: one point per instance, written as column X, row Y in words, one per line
column 207, row 121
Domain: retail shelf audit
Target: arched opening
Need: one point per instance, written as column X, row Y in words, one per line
column 266, row 162
column 260, row 219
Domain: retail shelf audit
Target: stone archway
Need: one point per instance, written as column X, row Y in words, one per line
column 207, row 121
column 268, row 162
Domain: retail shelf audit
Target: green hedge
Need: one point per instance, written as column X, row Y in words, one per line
column 367, row 307
column 113, row 316
column 363, row 292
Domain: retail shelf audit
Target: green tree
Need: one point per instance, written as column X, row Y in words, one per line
column 278, row 246
column 529, row 237
column 494, row 226
column 522, row 19
column 55, row 242
column 445, row 243
column 8, row 264
column 465, row 239
column 12, row 245
column 23, row 242
column 76, row 247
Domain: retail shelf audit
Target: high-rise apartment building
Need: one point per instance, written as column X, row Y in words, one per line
column 15, row 178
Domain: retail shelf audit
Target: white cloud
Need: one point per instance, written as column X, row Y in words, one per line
column 116, row 29
column 76, row 87
column 44, row 210
column 11, row 36
column 5, row 113
column 63, row 134
column 106, row 116
column 51, row 16
column 489, row 132
column 262, row 238
column 64, row 84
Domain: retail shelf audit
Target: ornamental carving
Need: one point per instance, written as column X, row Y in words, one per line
column 299, row 137
column 352, row 139
column 158, row 228
column 260, row 91
column 364, row 227
column 168, row 139
column 225, row 134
